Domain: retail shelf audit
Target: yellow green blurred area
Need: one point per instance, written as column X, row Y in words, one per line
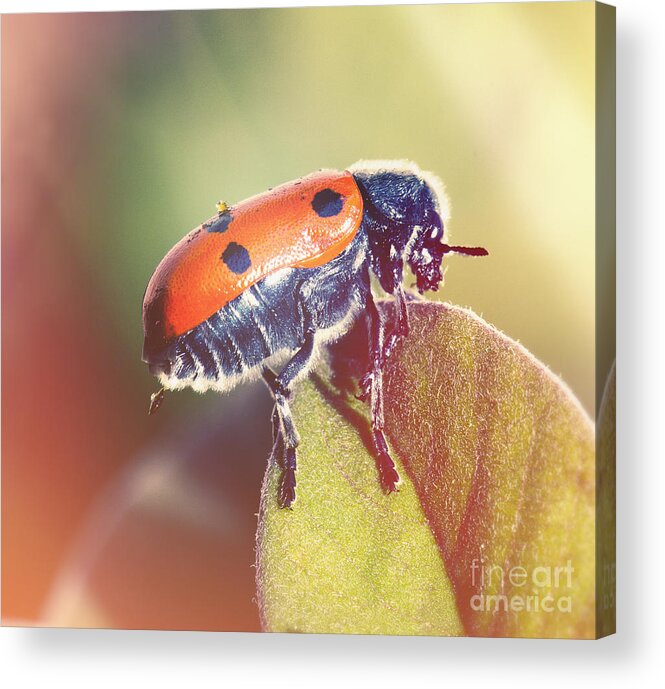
column 121, row 131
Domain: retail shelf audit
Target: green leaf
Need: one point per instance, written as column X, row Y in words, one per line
column 497, row 464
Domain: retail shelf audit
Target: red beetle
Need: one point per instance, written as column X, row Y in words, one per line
column 266, row 282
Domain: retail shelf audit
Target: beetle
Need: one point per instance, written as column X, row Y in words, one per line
column 267, row 282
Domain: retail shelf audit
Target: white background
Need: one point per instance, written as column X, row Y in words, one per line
column 634, row 656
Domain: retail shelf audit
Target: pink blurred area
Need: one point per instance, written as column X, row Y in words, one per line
column 72, row 419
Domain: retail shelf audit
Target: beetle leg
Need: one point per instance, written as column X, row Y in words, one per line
column 398, row 333
column 401, row 328
column 376, row 348
column 387, row 470
column 284, row 430
column 277, row 454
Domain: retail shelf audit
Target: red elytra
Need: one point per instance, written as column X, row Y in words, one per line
column 224, row 256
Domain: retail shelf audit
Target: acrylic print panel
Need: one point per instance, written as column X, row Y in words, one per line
column 414, row 348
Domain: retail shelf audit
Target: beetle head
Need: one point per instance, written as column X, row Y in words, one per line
column 426, row 247
column 428, row 250
column 407, row 210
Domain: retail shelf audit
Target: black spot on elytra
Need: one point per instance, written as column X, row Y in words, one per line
column 327, row 203
column 220, row 223
column 236, row 258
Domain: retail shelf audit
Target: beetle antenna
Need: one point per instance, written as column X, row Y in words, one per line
column 466, row 250
column 156, row 400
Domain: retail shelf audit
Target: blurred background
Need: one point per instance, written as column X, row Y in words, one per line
column 120, row 131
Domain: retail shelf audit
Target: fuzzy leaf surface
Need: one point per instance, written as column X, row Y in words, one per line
column 497, row 463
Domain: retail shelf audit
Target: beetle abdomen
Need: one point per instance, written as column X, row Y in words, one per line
column 233, row 344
